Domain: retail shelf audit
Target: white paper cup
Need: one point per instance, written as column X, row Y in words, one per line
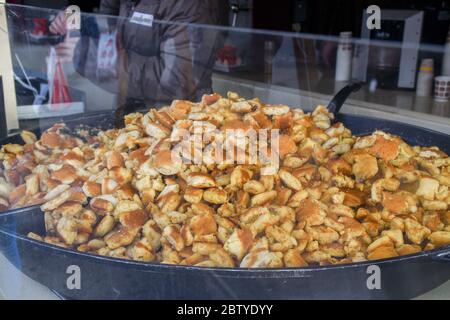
column 442, row 88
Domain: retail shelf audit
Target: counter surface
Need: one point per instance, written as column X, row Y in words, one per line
column 393, row 98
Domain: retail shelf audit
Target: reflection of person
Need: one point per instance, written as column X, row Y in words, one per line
column 164, row 60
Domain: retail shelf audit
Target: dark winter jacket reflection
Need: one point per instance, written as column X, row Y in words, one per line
column 164, row 50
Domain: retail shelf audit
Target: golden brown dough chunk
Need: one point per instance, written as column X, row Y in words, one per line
column 239, row 242
column 365, row 167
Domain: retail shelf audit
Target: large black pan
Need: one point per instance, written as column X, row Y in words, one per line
column 110, row 278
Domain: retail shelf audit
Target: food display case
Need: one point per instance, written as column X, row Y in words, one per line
column 108, row 189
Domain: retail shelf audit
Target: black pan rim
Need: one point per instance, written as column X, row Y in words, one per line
column 438, row 254
column 441, row 254
column 413, row 126
column 338, row 118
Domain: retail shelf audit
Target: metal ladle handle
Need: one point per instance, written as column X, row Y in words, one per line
column 338, row 100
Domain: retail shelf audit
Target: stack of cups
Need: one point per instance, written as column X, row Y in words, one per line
column 355, row 62
column 442, row 88
column 442, row 83
column 344, row 57
column 425, row 78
